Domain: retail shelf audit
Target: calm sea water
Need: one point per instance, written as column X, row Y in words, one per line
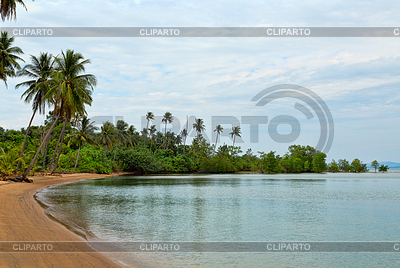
column 238, row 207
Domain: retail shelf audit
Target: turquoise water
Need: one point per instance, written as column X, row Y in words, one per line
column 238, row 207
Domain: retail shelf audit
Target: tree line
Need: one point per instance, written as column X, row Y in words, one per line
column 121, row 147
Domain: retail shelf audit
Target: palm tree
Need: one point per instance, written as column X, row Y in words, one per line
column 74, row 88
column 152, row 131
column 167, row 118
column 170, row 136
column 144, row 132
column 149, row 117
column 40, row 71
column 219, row 129
column 184, row 134
column 131, row 133
column 199, row 126
column 83, row 133
column 235, row 132
column 159, row 138
column 178, row 140
column 8, row 9
column 107, row 135
column 120, row 134
column 71, row 93
column 8, row 56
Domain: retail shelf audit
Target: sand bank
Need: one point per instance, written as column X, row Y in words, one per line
column 23, row 219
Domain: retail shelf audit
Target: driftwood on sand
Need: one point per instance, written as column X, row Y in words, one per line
column 19, row 178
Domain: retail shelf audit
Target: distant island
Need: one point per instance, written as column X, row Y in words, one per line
column 387, row 163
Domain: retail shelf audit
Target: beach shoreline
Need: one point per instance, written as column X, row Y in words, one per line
column 22, row 218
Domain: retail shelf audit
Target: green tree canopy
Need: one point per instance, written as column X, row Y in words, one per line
column 8, row 9
column 8, row 56
column 375, row 164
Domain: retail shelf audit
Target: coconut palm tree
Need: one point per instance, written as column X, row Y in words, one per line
column 107, row 135
column 199, row 126
column 71, row 92
column 131, row 135
column 8, row 9
column 219, row 129
column 74, row 88
column 144, row 132
column 152, row 131
column 235, row 132
column 120, row 134
column 170, row 137
column 149, row 117
column 159, row 139
column 8, row 56
column 39, row 71
column 184, row 134
column 83, row 132
column 167, row 118
column 178, row 140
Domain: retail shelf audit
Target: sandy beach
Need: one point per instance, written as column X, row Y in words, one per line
column 23, row 219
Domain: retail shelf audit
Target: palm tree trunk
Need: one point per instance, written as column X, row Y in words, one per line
column 184, row 145
column 45, row 151
column 151, row 143
column 234, row 137
column 40, row 148
column 115, row 153
column 26, row 135
column 145, row 136
column 59, row 152
column 47, row 148
column 77, row 158
column 165, row 135
column 55, row 151
column 216, row 140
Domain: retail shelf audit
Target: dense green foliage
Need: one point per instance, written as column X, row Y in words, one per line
column 383, row 168
column 122, row 148
column 91, row 160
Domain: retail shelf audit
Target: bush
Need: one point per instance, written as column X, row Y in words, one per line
column 179, row 163
column 217, row 164
column 139, row 159
column 91, row 160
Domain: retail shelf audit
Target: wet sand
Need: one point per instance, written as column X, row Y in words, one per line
column 23, row 219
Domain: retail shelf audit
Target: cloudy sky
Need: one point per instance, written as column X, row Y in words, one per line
column 357, row 78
